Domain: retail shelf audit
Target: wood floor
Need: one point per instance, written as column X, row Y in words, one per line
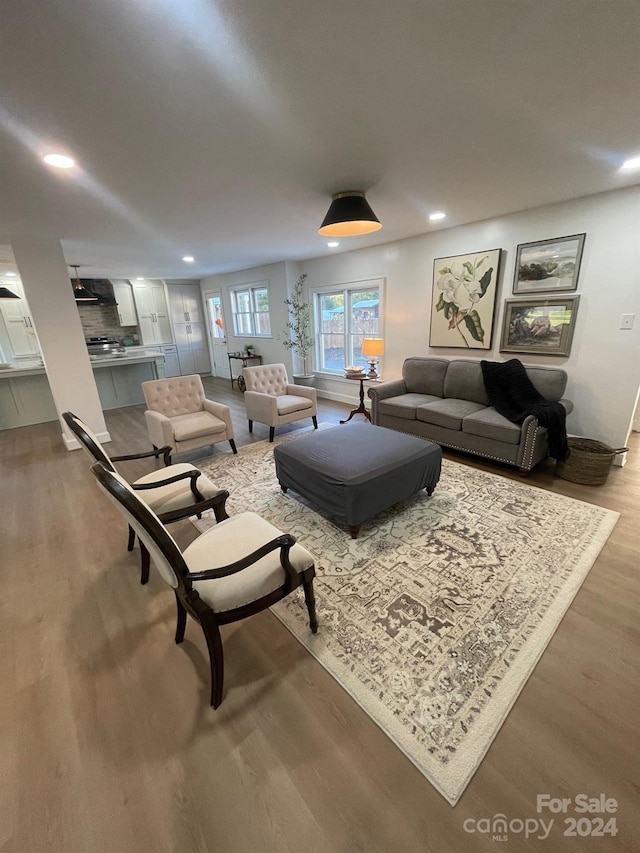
column 107, row 741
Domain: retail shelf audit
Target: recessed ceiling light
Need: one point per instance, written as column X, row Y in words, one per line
column 188, row 259
column 434, row 217
column 333, row 244
column 140, row 278
column 630, row 165
column 60, row 161
column 12, row 274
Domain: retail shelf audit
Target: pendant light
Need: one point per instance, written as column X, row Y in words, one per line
column 80, row 291
column 349, row 215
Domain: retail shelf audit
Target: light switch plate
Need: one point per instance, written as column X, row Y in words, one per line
column 626, row 321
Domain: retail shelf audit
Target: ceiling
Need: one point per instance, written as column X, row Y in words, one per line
column 221, row 128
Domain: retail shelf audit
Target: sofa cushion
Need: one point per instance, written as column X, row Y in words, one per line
column 425, row 375
column 447, row 413
column 197, row 425
column 405, row 405
column 549, row 381
column 464, row 382
column 488, row 423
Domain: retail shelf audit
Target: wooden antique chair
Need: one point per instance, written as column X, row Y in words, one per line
column 173, row 493
column 271, row 400
column 179, row 415
column 233, row 570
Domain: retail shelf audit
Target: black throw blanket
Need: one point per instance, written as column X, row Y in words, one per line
column 513, row 395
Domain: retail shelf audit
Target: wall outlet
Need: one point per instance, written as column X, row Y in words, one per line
column 626, row 321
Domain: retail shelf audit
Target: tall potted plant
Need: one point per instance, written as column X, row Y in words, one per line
column 299, row 333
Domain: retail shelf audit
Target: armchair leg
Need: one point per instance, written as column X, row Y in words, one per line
column 166, row 457
column 315, row 421
column 145, row 561
column 132, row 539
column 272, row 432
column 233, row 445
column 250, row 426
column 310, row 601
column 181, row 622
column 216, row 659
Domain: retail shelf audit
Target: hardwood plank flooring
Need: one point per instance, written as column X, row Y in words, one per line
column 108, row 742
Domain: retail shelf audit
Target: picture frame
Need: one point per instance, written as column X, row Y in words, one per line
column 542, row 326
column 463, row 299
column 548, row 266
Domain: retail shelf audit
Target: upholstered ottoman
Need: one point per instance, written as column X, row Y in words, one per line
column 354, row 471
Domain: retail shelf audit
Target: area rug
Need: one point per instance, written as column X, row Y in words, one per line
column 435, row 616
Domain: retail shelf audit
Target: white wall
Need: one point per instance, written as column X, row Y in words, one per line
column 604, row 363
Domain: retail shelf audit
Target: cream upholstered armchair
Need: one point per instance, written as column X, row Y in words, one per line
column 179, row 415
column 271, row 400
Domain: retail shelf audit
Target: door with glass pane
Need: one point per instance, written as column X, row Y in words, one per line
column 217, row 333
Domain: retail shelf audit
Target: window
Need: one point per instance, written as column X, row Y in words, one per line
column 344, row 315
column 250, row 308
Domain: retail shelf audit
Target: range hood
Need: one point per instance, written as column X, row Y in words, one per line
column 93, row 291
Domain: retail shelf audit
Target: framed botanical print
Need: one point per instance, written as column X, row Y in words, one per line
column 463, row 300
column 548, row 266
column 539, row 325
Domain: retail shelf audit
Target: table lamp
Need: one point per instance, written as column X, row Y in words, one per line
column 372, row 348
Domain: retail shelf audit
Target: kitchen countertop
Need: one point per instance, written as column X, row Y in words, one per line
column 34, row 367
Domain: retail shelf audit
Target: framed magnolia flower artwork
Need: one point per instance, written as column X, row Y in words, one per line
column 463, row 300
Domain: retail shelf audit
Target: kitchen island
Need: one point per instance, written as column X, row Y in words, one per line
column 25, row 396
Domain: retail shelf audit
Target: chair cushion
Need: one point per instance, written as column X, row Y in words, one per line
column 405, row 405
column 175, row 495
column 447, row 413
column 231, row 540
column 491, row 424
column 288, row 403
column 196, row 425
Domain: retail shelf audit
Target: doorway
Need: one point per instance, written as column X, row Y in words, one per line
column 217, row 333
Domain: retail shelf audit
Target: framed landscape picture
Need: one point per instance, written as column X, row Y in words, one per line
column 463, row 300
column 539, row 325
column 548, row 265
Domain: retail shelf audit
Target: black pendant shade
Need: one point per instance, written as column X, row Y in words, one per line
column 5, row 293
column 80, row 292
column 349, row 215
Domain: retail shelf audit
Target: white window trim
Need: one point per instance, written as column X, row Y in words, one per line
column 350, row 286
column 250, row 287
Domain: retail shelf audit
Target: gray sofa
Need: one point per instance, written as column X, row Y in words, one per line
column 444, row 400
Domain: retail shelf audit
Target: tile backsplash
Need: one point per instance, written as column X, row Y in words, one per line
column 103, row 319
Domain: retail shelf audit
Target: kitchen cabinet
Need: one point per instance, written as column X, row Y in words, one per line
column 126, row 306
column 171, row 362
column 17, row 320
column 153, row 314
column 193, row 353
column 185, row 303
column 189, row 330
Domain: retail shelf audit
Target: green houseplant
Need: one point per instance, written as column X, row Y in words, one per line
column 299, row 337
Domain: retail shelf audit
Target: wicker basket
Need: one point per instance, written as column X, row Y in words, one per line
column 589, row 461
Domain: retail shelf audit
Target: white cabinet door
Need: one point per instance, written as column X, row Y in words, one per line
column 193, row 353
column 126, row 306
column 153, row 314
column 20, row 329
column 171, row 363
column 185, row 303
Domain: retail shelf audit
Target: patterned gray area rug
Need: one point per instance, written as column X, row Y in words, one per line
column 434, row 618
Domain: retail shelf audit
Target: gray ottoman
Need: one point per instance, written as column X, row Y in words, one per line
column 354, row 471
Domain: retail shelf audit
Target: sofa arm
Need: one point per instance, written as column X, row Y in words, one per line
column 261, row 407
column 220, row 411
column 159, row 429
column 568, row 405
column 303, row 391
column 383, row 390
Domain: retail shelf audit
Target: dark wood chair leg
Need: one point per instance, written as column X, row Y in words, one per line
column 181, row 622
column 310, row 601
column 132, row 539
column 272, row 432
column 216, row 659
column 233, row 445
column 166, row 457
column 315, row 421
column 250, row 426
column 145, row 561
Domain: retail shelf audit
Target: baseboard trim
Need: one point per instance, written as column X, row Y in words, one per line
column 72, row 443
